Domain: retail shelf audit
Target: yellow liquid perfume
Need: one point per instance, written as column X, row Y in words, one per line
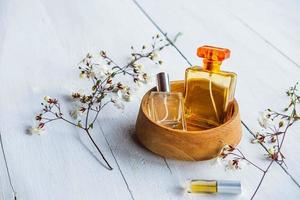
column 165, row 107
column 214, row 186
column 209, row 92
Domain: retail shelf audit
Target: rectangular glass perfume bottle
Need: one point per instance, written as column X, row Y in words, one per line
column 209, row 92
column 165, row 107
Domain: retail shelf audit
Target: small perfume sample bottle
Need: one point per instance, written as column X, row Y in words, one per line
column 213, row 186
column 209, row 92
column 166, row 107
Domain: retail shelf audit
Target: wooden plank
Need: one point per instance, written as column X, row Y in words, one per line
column 261, row 81
column 5, row 190
column 276, row 22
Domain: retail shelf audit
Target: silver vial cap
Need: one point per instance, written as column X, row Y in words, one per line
column 163, row 82
column 232, row 187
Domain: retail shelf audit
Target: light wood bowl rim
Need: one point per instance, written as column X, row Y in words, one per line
column 175, row 131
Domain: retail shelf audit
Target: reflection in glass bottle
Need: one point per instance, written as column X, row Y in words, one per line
column 164, row 107
column 167, row 109
column 209, row 92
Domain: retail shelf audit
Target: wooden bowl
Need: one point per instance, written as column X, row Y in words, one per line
column 186, row 145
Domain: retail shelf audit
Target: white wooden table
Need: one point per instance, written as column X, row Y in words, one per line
column 42, row 41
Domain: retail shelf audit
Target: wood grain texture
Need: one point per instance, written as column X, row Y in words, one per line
column 42, row 41
column 274, row 25
column 186, row 145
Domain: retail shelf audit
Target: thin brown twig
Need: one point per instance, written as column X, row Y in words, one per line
column 99, row 151
column 261, row 179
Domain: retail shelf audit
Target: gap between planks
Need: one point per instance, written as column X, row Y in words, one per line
column 264, row 39
column 185, row 58
column 115, row 159
column 7, row 169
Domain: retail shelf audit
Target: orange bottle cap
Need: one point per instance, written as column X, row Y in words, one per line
column 213, row 53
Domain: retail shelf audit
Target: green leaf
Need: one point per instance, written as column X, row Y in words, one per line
column 79, row 124
column 280, row 124
column 113, row 74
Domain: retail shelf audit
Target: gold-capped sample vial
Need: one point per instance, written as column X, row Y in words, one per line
column 209, row 91
column 214, row 186
column 165, row 107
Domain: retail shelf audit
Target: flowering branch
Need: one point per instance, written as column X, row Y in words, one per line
column 105, row 89
column 275, row 126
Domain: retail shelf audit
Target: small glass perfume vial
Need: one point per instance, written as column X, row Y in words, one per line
column 214, row 186
column 166, row 107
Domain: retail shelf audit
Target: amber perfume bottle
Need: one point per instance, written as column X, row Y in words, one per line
column 165, row 107
column 209, row 92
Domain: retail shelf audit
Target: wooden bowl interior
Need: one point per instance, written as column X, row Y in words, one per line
column 186, row 145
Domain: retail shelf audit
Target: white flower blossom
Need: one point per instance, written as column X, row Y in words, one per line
column 118, row 103
column 36, row 130
column 125, row 94
column 82, row 75
column 102, row 71
column 140, row 66
column 75, row 96
column 92, row 74
column 143, row 78
column 264, row 119
column 47, row 98
column 271, row 151
column 236, row 164
column 147, row 78
column 227, row 149
column 76, row 112
column 135, row 64
column 231, row 166
column 132, row 58
column 155, row 55
column 217, row 161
